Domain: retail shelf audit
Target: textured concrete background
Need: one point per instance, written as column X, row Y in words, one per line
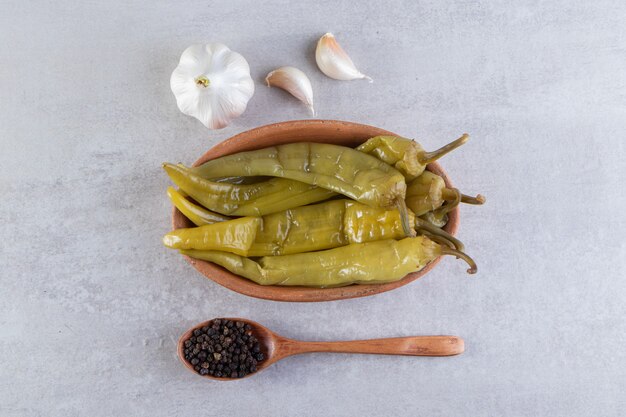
column 91, row 303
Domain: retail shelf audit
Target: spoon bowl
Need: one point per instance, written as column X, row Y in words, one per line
column 276, row 347
column 267, row 339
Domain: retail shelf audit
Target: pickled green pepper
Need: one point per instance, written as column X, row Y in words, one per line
column 303, row 229
column 343, row 170
column 235, row 236
column 406, row 155
column 428, row 192
column 359, row 263
column 256, row 199
column 197, row 214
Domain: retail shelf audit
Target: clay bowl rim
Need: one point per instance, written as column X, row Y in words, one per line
column 346, row 132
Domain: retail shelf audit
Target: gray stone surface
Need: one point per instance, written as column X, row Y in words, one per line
column 91, row 303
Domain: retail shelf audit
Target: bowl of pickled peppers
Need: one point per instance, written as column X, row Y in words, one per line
column 316, row 210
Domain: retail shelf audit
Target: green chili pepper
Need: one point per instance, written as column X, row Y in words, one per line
column 359, row 263
column 340, row 169
column 197, row 214
column 406, row 155
column 303, row 229
column 428, row 192
column 257, row 199
column 235, row 236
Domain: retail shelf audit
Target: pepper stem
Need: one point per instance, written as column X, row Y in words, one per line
column 479, row 199
column 473, row 268
column 404, row 217
column 428, row 157
column 438, row 239
column 451, row 194
column 423, row 225
column 202, row 81
column 452, row 200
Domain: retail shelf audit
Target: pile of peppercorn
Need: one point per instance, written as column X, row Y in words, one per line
column 224, row 349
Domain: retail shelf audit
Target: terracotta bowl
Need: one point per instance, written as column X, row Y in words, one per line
column 325, row 131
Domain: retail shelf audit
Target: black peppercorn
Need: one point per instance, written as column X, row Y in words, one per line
column 224, row 348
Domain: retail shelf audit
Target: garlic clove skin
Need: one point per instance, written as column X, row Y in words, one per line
column 333, row 61
column 212, row 84
column 295, row 82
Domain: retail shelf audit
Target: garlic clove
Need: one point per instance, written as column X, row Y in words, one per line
column 333, row 61
column 293, row 81
column 212, row 84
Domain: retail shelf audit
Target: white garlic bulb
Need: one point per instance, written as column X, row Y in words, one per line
column 294, row 81
column 212, row 84
column 333, row 61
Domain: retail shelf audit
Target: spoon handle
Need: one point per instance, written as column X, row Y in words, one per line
column 413, row 346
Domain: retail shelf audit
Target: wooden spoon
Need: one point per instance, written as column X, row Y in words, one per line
column 276, row 347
